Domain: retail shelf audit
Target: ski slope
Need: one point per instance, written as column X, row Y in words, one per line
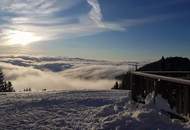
column 80, row 110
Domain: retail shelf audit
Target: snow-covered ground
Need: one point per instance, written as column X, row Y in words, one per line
column 80, row 110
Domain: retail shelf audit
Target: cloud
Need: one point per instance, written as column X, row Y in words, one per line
column 59, row 73
column 95, row 14
column 43, row 21
column 96, row 71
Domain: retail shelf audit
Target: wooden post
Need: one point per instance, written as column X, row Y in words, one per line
column 155, row 85
column 132, row 86
column 131, row 81
column 186, row 100
column 136, row 66
column 180, row 100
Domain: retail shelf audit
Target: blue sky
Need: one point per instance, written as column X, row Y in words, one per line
column 98, row 29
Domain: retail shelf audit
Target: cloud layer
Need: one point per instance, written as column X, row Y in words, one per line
column 58, row 73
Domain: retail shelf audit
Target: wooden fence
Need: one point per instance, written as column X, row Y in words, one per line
column 168, row 84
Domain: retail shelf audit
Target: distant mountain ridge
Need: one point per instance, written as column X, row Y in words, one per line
column 168, row 64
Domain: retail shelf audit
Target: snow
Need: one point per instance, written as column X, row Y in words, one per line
column 158, row 103
column 81, row 110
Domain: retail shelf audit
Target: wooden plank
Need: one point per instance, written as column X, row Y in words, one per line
column 164, row 78
column 166, row 72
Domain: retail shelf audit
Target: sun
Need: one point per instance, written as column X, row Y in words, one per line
column 21, row 38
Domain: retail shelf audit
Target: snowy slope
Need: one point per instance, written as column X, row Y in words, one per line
column 80, row 110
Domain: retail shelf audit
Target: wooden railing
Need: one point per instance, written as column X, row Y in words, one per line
column 175, row 90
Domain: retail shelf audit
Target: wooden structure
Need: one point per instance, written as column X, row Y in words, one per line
column 135, row 65
column 173, row 86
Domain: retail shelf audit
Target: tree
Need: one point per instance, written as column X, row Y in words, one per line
column 2, row 82
column 163, row 64
column 116, row 86
column 5, row 86
column 9, row 87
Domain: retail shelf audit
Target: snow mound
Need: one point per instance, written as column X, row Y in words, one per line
column 80, row 110
column 158, row 102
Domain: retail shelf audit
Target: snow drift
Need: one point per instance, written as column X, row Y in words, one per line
column 81, row 110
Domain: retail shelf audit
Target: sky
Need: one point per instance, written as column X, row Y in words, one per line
column 95, row 29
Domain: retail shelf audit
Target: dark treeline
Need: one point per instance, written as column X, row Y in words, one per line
column 164, row 64
column 5, row 86
column 168, row 64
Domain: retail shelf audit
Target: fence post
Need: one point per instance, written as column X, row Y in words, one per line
column 131, row 81
column 186, row 100
column 155, row 90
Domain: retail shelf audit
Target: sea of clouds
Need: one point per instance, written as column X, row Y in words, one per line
column 60, row 73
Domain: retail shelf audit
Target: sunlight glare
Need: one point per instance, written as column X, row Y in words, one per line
column 22, row 38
